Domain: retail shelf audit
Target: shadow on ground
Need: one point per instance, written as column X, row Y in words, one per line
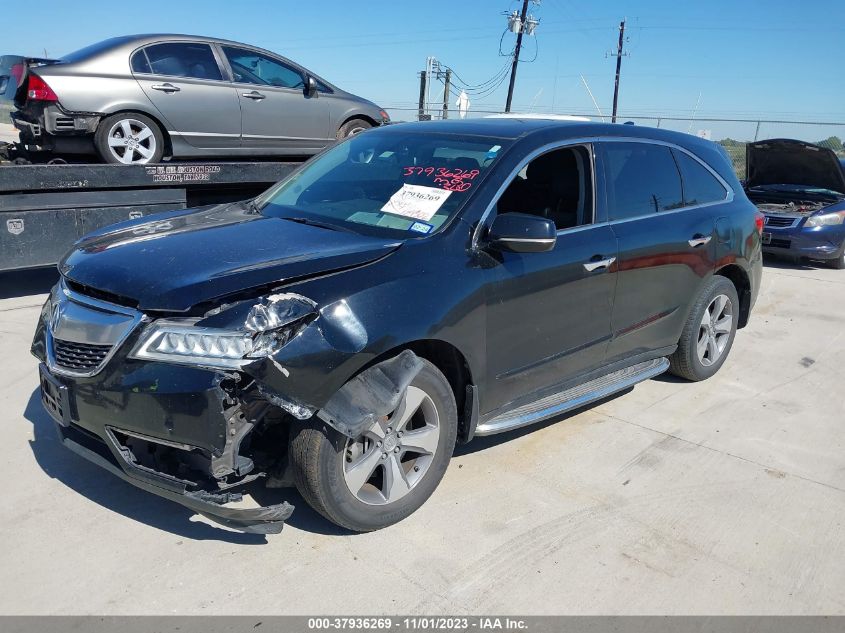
column 22, row 283
column 118, row 496
column 787, row 263
column 489, row 441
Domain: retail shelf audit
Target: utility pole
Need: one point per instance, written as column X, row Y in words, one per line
column 618, row 54
column 516, row 54
column 447, row 80
column 423, row 82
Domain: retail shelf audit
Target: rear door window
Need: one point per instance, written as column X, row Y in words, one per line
column 249, row 67
column 178, row 59
column 641, row 179
column 700, row 186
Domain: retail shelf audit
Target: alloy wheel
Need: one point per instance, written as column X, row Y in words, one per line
column 715, row 330
column 131, row 142
column 394, row 455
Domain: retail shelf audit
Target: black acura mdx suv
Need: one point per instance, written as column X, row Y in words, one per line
column 409, row 288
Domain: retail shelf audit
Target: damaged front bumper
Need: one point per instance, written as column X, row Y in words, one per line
column 111, row 447
column 261, row 520
column 192, row 433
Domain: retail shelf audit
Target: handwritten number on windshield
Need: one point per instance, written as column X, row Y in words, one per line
column 450, row 179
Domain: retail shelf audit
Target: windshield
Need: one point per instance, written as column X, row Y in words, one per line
column 385, row 183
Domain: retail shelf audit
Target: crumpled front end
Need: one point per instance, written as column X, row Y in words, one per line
column 196, row 408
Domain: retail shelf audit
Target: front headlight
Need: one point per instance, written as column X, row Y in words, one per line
column 270, row 325
column 826, row 219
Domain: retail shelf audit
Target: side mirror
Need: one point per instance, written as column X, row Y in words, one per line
column 522, row 233
column 310, row 86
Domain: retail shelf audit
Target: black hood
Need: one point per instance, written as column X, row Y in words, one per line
column 790, row 162
column 177, row 261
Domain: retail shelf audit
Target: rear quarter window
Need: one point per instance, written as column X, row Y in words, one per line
column 139, row 63
column 700, row 186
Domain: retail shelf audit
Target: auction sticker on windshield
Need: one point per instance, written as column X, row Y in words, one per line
column 416, row 201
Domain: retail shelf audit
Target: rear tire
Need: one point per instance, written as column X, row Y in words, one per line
column 709, row 331
column 129, row 138
column 330, row 470
column 353, row 127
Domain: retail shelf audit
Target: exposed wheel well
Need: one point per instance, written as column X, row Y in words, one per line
column 168, row 145
column 740, row 280
column 449, row 360
column 360, row 117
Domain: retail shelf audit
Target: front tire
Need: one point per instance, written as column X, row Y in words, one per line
column 129, row 138
column 353, row 127
column 709, row 331
column 386, row 474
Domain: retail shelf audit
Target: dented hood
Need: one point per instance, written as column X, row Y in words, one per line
column 791, row 162
column 177, row 261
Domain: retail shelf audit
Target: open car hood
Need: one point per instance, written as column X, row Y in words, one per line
column 175, row 261
column 791, row 162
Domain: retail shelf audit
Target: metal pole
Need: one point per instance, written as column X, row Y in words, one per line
column 429, row 67
column 446, row 86
column 422, row 95
column 516, row 55
column 757, row 131
column 618, row 69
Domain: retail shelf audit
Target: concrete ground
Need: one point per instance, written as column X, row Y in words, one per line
column 8, row 133
column 722, row 497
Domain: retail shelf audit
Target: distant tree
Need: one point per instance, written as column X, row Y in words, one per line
column 832, row 142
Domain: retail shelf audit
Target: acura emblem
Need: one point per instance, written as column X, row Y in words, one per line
column 55, row 316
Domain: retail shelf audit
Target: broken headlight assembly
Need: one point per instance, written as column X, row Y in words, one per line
column 269, row 326
column 826, row 219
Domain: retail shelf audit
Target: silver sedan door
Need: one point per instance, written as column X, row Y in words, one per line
column 186, row 84
column 277, row 113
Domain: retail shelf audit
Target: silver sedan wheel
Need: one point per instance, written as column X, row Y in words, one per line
column 132, row 142
column 357, row 130
column 393, row 456
column 715, row 330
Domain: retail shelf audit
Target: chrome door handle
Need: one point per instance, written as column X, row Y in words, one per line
column 699, row 240
column 166, row 87
column 254, row 95
column 602, row 263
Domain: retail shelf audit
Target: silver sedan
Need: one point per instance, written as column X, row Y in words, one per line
column 137, row 99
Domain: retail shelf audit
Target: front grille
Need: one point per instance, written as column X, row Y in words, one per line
column 79, row 356
column 780, row 243
column 779, row 222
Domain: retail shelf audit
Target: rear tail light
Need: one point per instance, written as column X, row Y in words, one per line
column 38, row 90
column 759, row 221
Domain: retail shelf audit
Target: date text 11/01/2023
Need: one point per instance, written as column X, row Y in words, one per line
column 422, row 623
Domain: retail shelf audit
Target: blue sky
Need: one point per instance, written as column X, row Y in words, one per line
column 772, row 59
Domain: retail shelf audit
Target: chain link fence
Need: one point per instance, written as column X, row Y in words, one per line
column 732, row 134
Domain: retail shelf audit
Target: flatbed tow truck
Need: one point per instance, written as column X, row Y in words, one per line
column 45, row 208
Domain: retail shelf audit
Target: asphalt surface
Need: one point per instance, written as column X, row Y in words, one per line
column 722, row 497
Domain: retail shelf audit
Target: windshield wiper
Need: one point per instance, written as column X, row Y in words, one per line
column 322, row 225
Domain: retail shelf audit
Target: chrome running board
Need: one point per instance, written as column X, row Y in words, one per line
column 574, row 397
